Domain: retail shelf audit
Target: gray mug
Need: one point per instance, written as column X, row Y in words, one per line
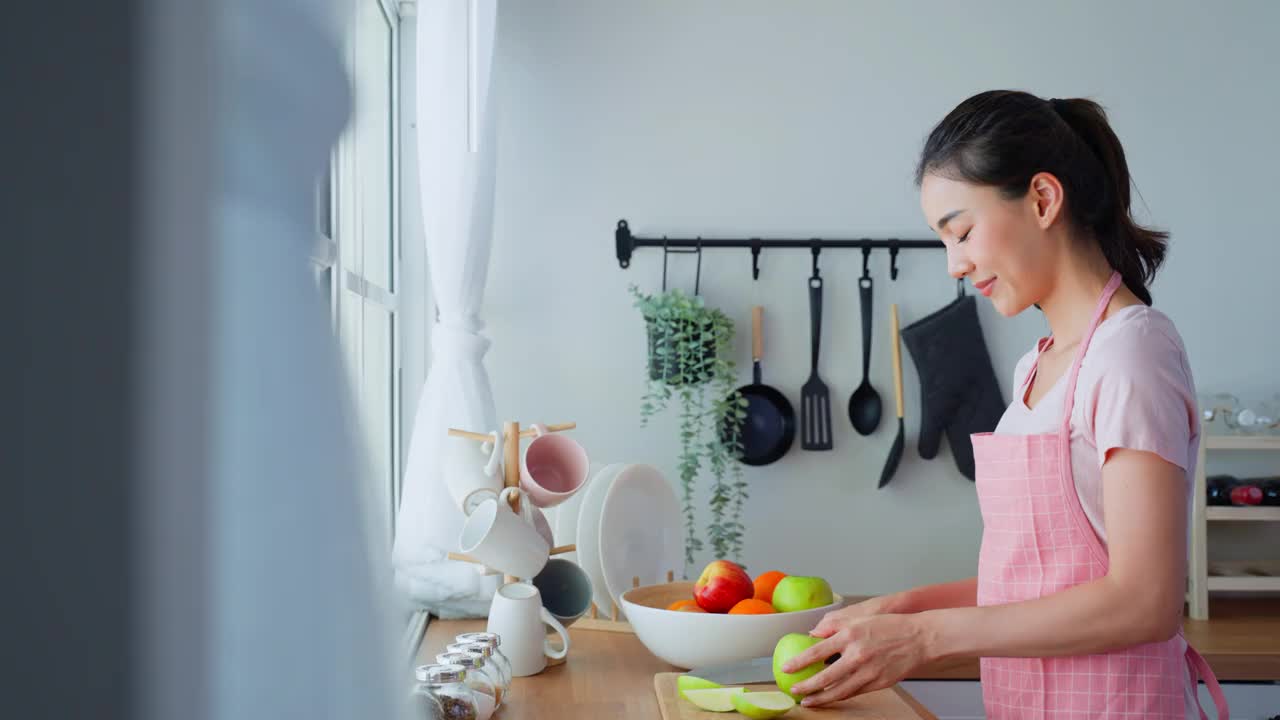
column 565, row 588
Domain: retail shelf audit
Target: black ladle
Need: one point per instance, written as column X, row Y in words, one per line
column 864, row 405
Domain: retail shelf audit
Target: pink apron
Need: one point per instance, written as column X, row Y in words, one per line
column 1037, row 541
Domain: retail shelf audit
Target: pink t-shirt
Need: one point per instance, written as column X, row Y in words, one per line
column 1135, row 391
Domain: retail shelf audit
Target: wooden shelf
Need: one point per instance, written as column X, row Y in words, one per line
column 1202, row 579
column 1242, row 442
column 1256, row 512
column 1244, row 583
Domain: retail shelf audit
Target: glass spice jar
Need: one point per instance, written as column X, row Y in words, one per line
column 494, row 641
column 500, row 679
column 477, row 678
column 423, row 705
column 450, row 696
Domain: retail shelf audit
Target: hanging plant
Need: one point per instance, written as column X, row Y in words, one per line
column 688, row 344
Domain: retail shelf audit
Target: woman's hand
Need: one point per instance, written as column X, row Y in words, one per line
column 876, row 651
column 837, row 619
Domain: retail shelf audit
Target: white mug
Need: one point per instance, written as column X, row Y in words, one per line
column 518, row 617
column 502, row 540
column 466, row 470
column 531, row 513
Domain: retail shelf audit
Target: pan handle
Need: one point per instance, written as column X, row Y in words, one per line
column 897, row 360
column 757, row 333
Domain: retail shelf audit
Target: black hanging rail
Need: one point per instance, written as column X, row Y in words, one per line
column 627, row 243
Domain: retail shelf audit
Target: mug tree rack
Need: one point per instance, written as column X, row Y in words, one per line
column 512, row 434
column 626, row 244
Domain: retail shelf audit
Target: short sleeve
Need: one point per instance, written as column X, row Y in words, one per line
column 1020, row 372
column 1143, row 398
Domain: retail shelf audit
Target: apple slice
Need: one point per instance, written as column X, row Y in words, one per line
column 685, row 683
column 762, row 705
column 714, row 699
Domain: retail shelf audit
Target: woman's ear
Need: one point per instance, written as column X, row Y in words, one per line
column 1046, row 198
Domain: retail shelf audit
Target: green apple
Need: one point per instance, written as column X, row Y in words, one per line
column 685, row 683
column 714, row 699
column 796, row 592
column 791, row 645
column 762, row 705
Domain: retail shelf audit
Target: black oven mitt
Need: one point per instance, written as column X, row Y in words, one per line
column 959, row 394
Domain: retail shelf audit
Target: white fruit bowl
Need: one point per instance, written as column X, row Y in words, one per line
column 689, row 639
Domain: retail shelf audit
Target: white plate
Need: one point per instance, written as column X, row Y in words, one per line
column 566, row 514
column 640, row 531
column 588, row 535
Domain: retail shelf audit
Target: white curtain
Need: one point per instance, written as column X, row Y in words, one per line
column 456, row 144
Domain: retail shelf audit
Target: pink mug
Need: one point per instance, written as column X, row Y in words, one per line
column 553, row 468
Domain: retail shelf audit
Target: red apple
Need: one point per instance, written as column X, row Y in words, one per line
column 722, row 585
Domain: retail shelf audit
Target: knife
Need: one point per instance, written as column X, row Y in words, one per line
column 744, row 672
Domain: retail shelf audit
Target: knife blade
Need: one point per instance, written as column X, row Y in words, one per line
column 743, row 672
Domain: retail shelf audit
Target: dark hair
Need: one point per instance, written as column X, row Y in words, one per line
column 1001, row 138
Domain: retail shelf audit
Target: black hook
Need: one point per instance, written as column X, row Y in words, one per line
column 664, row 263
column 697, row 277
column 959, row 288
column 816, row 246
column 866, row 255
column 755, row 258
column 893, row 258
column 666, row 250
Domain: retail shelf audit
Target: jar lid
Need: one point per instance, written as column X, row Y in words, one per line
column 493, row 639
column 473, row 647
column 465, row 659
column 439, row 674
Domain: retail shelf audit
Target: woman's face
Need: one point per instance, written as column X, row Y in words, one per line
column 1001, row 246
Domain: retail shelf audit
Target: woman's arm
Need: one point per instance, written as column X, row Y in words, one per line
column 960, row 593
column 957, row 594
column 1138, row 601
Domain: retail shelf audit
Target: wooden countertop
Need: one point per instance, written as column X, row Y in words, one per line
column 607, row 675
column 1240, row 641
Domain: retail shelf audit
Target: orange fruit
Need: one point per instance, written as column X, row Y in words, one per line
column 752, row 606
column 765, row 583
column 682, row 604
column 691, row 608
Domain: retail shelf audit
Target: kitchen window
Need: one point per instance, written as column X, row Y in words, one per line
column 357, row 254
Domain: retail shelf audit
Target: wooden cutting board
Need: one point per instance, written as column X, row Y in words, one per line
column 887, row 704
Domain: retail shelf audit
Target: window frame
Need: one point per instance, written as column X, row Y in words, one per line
column 344, row 194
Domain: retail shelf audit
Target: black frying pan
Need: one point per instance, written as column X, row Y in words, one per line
column 770, row 425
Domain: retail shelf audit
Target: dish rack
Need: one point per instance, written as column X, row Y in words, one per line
column 1204, row 578
column 596, row 618
column 612, row 623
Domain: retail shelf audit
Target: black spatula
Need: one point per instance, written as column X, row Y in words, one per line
column 815, row 399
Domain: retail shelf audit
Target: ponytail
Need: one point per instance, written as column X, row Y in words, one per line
column 1002, row 138
column 1134, row 251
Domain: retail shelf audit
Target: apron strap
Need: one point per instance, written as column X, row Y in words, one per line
column 1200, row 670
column 1070, row 400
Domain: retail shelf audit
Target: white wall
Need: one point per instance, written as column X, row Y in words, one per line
column 799, row 119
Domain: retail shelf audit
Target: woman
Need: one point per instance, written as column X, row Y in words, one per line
column 1085, row 485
